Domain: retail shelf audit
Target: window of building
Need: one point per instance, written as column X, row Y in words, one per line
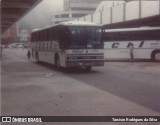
column 78, row 15
column 56, row 16
column 64, row 15
column 80, row 8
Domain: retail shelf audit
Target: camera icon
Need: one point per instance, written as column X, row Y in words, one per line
column 6, row 119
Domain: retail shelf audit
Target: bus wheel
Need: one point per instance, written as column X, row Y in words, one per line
column 88, row 68
column 157, row 56
column 58, row 63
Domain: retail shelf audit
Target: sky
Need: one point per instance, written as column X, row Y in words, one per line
column 41, row 15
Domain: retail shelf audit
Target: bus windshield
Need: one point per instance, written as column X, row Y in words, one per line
column 81, row 37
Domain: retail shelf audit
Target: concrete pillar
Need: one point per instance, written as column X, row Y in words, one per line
column 92, row 17
column 124, row 12
column 159, row 7
column 111, row 12
column 101, row 17
column 140, row 8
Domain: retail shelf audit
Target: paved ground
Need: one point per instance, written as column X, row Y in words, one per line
column 117, row 89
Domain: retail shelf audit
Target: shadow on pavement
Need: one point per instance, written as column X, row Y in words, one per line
column 66, row 70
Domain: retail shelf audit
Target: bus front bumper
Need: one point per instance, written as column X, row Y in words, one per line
column 84, row 63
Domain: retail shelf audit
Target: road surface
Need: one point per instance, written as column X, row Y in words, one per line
column 117, row 89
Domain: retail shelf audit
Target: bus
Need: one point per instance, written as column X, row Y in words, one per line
column 146, row 41
column 69, row 44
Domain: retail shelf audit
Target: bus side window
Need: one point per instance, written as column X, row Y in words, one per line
column 40, row 46
column 62, row 37
column 44, row 35
column 43, row 46
column 56, row 34
column 32, row 37
column 51, row 45
column 36, row 46
column 47, row 46
column 52, row 34
column 36, row 36
column 47, row 35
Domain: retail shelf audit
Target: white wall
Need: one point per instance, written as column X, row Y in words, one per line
column 81, row 19
column 117, row 14
column 106, row 16
column 132, row 10
column 88, row 18
column 124, row 12
column 96, row 17
column 150, row 8
column 107, row 4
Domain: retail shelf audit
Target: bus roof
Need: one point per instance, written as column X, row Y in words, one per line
column 132, row 29
column 79, row 23
column 70, row 23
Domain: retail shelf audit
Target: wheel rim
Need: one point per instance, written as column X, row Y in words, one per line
column 157, row 56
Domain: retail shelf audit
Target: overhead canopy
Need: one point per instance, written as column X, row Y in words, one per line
column 13, row 10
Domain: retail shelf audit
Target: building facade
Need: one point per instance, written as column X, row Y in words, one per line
column 74, row 9
column 108, row 4
column 24, row 37
column 10, row 35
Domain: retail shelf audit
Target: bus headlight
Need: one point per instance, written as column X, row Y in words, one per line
column 70, row 57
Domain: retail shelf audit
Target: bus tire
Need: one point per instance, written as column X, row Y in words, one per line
column 57, row 63
column 156, row 56
column 88, row 68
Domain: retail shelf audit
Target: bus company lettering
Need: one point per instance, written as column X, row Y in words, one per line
column 116, row 45
column 79, row 51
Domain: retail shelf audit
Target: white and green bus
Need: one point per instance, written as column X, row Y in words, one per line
column 146, row 41
column 69, row 44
